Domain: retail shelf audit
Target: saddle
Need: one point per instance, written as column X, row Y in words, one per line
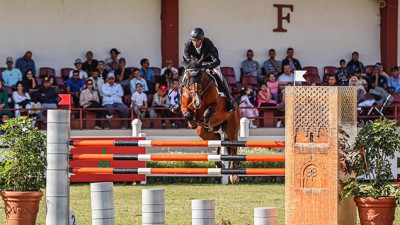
column 217, row 82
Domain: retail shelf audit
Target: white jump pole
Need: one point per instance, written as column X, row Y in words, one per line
column 102, row 200
column 153, row 206
column 57, row 179
column 265, row 216
column 203, row 212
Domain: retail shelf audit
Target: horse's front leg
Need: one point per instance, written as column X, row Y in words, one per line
column 208, row 115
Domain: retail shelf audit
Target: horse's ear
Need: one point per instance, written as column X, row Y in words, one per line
column 185, row 62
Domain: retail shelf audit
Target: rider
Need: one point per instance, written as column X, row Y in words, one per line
column 199, row 47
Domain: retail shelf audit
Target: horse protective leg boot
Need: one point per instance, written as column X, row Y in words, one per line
column 230, row 105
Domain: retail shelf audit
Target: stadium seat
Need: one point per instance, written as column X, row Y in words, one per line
column 47, row 71
column 232, row 83
column 311, row 70
column 8, row 89
column 228, row 71
column 328, row 71
column 65, row 73
column 157, row 70
column 39, row 82
column 313, row 79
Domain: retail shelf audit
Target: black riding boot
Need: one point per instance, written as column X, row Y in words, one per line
column 230, row 105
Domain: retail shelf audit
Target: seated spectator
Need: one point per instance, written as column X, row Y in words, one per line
column 78, row 65
column 122, row 74
column 272, row 65
column 168, row 65
column 90, row 99
column 112, row 98
column 22, row 100
column 394, row 81
column 286, row 77
column 47, row 96
column 377, row 79
column 251, row 67
column 74, row 86
column 273, row 86
column 90, row 64
column 264, row 97
column 97, row 81
column 246, row 108
column 102, row 70
column 160, row 100
column 112, row 62
column 383, row 73
column 341, row 74
column 360, row 89
column 147, row 73
column 362, row 80
column 138, row 80
column 28, row 81
column 292, row 62
column 164, row 79
column 11, row 75
column 175, row 75
column 354, row 64
column 139, row 101
column 4, row 101
column 332, row 80
column 26, row 63
column 173, row 96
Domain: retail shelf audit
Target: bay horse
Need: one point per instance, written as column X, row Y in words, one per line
column 205, row 110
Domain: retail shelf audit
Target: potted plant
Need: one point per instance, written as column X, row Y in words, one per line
column 376, row 195
column 22, row 170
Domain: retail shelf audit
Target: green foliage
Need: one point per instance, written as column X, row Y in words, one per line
column 375, row 144
column 24, row 160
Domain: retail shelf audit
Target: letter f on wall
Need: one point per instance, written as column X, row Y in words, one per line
column 281, row 17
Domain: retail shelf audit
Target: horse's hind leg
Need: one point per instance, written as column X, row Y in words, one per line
column 210, row 136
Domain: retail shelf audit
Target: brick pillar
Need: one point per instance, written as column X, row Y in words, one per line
column 389, row 29
column 170, row 31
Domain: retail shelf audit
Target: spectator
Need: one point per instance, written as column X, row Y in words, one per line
column 383, row 73
column 74, row 86
column 97, row 81
column 246, row 108
column 354, row 64
column 273, row 86
column 22, row 100
column 164, row 79
column 147, row 73
column 29, row 82
column 11, row 75
column 251, row 67
column 78, row 65
column 168, row 65
column 26, row 63
column 89, row 99
column 90, row 64
column 160, row 100
column 122, row 74
column 112, row 62
column 394, row 81
column 272, row 65
column 332, row 80
column 360, row 89
column 286, row 77
column 173, row 96
column 4, row 101
column 361, row 80
column 47, row 96
column 264, row 97
column 112, row 98
column 139, row 101
column 292, row 62
column 341, row 74
column 102, row 70
column 138, row 80
column 175, row 75
column 377, row 79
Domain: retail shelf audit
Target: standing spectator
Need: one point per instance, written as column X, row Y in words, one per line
column 102, row 70
column 272, row 65
column 377, row 79
column 251, row 67
column 332, row 80
column 97, row 81
column 112, row 98
column 74, row 86
column 292, row 62
column 4, row 101
column 11, row 75
column 90, row 64
column 160, row 100
column 341, row 74
column 112, row 62
column 394, row 81
column 354, row 64
column 26, row 63
column 22, row 100
column 139, row 101
column 147, row 73
column 78, row 65
column 138, row 80
column 47, row 96
column 168, row 65
column 246, row 108
column 90, row 99
column 122, row 74
column 29, row 82
column 286, row 77
column 264, row 97
column 273, row 86
column 164, row 79
column 173, row 96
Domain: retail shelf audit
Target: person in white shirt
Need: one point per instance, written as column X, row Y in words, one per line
column 139, row 101
column 78, row 65
column 168, row 65
column 112, row 98
column 173, row 95
column 21, row 100
column 286, row 77
column 98, row 82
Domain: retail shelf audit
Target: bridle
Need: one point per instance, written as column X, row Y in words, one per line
column 193, row 73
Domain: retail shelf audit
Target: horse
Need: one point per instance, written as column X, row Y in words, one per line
column 205, row 110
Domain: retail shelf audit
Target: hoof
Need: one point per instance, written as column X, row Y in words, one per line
column 234, row 179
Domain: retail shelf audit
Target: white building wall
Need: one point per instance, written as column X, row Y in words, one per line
column 398, row 38
column 59, row 31
column 321, row 32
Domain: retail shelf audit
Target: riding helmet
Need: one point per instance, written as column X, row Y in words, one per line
column 196, row 34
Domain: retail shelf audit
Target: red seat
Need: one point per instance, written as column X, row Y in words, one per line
column 313, row 79
column 65, row 73
column 311, row 70
column 8, row 89
column 329, row 71
column 156, row 70
column 249, row 80
column 232, row 83
column 369, row 70
column 39, row 82
column 47, row 71
column 228, row 71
